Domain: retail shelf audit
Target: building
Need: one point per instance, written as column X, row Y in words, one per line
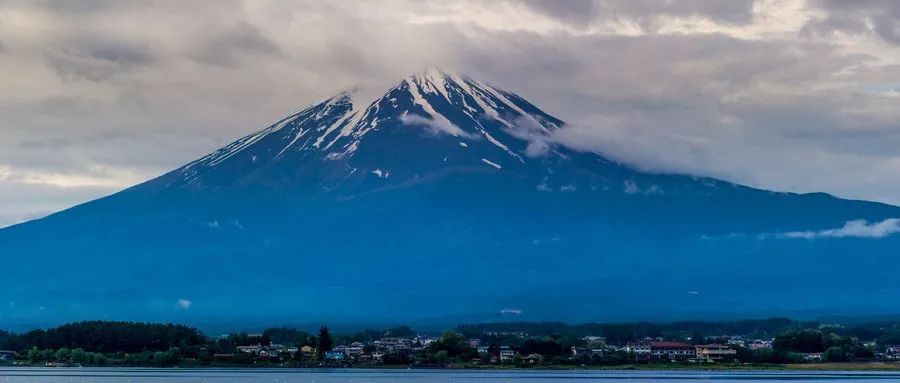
column 813, row 357
column 307, row 350
column 714, row 352
column 506, row 354
column 533, row 359
column 641, row 350
column 581, row 352
column 7, row 356
column 353, row 350
column 393, row 345
column 335, row 356
column 672, row 351
column 250, row 349
column 759, row 344
column 593, row 340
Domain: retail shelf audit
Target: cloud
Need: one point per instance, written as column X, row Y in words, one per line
column 852, row 229
column 537, row 148
column 234, row 43
column 436, row 126
column 184, row 304
column 528, row 129
column 216, row 224
column 772, row 94
column 862, row 18
column 630, row 187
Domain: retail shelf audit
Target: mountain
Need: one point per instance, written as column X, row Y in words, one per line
column 445, row 197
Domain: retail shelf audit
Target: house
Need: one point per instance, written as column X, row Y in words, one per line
column 507, row 355
column 306, row 350
column 672, row 350
column 641, row 350
column 271, row 354
column 7, row 356
column 352, row 350
column 335, row 356
column 714, row 352
column 581, row 352
column 483, row 350
column 533, row 359
column 517, row 334
column 393, row 345
column 759, row 344
column 250, row 349
column 813, row 357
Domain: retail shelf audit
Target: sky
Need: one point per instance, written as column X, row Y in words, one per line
column 788, row 95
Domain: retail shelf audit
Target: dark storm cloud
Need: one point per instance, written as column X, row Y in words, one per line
column 776, row 94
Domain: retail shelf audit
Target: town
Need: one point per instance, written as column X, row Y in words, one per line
column 776, row 341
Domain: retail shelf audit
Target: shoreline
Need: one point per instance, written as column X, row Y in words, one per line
column 818, row 367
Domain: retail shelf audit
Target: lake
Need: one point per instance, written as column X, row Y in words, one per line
column 137, row 375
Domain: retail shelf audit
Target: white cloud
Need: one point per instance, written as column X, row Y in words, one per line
column 184, row 304
column 856, row 228
column 90, row 176
column 436, row 126
column 630, row 187
column 537, row 148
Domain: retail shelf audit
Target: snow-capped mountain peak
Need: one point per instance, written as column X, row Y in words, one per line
column 433, row 111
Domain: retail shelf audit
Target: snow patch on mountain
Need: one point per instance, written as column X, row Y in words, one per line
column 491, row 163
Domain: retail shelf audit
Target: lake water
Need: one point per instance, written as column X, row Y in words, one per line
column 104, row 375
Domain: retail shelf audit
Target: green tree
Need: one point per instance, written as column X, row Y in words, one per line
column 697, row 338
column 160, row 358
column 173, row 355
column 400, row 331
column 799, row 341
column 79, row 356
column 834, row 354
column 325, row 342
column 63, row 355
column 34, row 354
column 441, row 356
column 455, row 345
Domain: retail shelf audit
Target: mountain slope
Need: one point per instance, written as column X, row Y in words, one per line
column 444, row 196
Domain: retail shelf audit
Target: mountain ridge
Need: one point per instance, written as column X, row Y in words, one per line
column 443, row 196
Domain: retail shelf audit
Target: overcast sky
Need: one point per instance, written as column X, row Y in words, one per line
column 788, row 95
